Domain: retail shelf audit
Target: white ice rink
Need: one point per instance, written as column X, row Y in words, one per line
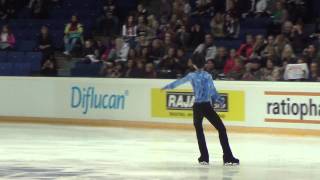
column 60, row 152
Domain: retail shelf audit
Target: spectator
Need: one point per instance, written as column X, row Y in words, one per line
column 182, row 37
column 230, row 63
column 49, row 67
column 252, row 72
column 73, row 34
column 211, row 69
column 169, row 65
column 208, row 48
column 280, row 42
column 108, row 25
column 7, row 9
column 270, row 72
column 310, row 54
column 236, row 72
column 39, row 8
column 314, row 72
column 279, row 15
column 261, row 8
column 120, row 51
column 196, row 35
column 7, row 39
column 231, row 27
column 258, row 46
column 297, row 38
column 142, row 11
column 246, row 49
column 287, row 27
column 45, row 44
column 217, row 26
column 156, row 51
column 129, row 30
column 288, row 55
column 150, row 71
column 90, row 52
column 153, row 26
column 220, row 59
column 142, row 42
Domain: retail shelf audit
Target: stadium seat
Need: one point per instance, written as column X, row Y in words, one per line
column 35, row 58
column 3, row 56
column 26, row 45
column 6, row 69
column 14, row 57
column 21, row 69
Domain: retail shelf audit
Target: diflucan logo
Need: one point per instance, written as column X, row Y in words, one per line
column 88, row 99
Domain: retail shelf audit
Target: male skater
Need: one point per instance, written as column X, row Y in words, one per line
column 205, row 95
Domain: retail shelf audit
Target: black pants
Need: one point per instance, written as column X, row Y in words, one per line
column 201, row 110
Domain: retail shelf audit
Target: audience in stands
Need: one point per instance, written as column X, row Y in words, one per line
column 156, row 39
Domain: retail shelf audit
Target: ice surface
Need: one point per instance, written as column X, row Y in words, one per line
column 66, row 152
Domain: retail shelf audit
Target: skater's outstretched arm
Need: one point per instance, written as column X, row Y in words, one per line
column 178, row 82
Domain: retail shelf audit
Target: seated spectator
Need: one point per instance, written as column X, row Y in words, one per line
column 196, row 35
column 120, row 51
column 270, row 72
column 150, row 72
column 182, row 37
column 236, row 72
column 153, row 25
column 39, row 8
column 297, row 38
column 220, row 59
column 217, row 26
column 73, row 34
column 207, row 47
column 170, row 65
column 246, row 49
column 156, row 51
column 7, row 39
column 230, row 63
column 310, row 54
column 288, row 55
column 129, row 29
column 258, row 46
column 314, row 72
column 261, row 8
column 7, row 9
column 211, row 69
column 45, row 44
column 231, row 27
column 252, row 72
column 279, row 15
column 141, row 42
column 108, row 24
column 49, row 66
column 280, row 43
column 90, row 52
column 141, row 11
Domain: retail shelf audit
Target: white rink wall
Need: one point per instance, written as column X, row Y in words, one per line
column 247, row 104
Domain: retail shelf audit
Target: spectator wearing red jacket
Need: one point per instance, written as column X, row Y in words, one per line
column 246, row 49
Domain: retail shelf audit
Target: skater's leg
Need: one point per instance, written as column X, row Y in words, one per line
column 215, row 120
column 197, row 122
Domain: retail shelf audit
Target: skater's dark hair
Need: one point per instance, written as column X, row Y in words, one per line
column 198, row 59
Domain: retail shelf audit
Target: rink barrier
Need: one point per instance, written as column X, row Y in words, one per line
column 247, row 105
column 155, row 125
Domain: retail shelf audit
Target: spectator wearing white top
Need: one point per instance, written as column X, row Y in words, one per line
column 208, row 48
column 120, row 52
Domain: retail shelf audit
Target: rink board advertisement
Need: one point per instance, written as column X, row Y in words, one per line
column 292, row 107
column 248, row 104
column 177, row 104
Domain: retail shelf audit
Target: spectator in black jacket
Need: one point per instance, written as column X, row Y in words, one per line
column 45, row 44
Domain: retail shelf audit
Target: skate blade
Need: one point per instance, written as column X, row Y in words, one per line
column 231, row 164
column 204, row 163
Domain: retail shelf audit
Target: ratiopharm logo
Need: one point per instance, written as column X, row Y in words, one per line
column 88, row 98
column 293, row 107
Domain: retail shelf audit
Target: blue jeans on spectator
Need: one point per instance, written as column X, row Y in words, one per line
column 69, row 43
